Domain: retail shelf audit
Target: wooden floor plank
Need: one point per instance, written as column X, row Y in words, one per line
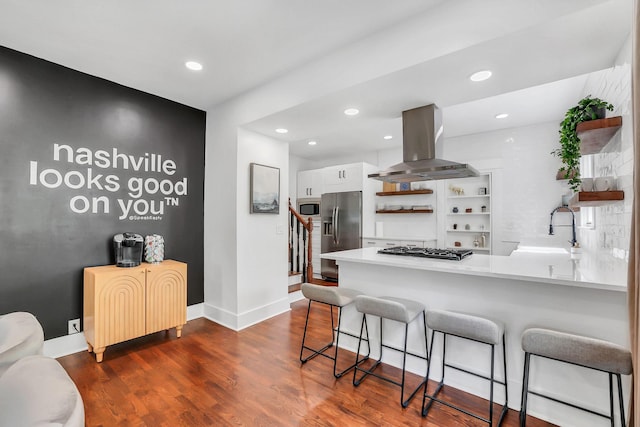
column 214, row 376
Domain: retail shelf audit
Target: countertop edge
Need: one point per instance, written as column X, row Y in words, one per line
column 362, row 257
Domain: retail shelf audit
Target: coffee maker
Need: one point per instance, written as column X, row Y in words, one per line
column 128, row 248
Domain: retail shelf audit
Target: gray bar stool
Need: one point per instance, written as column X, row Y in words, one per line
column 472, row 328
column 332, row 296
column 577, row 350
column 400, row 310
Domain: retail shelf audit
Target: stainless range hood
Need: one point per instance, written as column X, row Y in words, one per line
column 421, row 129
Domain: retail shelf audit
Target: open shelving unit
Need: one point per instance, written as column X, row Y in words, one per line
column 476, row 194
column 405, row 211
column 404, row 193
column 595, row 198
column 594, row 136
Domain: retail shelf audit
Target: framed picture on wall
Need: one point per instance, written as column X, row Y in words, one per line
column 265, row 189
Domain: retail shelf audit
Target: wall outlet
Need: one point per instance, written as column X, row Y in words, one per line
column 74, row 326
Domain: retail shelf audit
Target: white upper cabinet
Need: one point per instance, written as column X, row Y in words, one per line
column 309, row 183
column 337, row 179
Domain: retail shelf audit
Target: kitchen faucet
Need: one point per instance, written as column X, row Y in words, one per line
column 573, row 240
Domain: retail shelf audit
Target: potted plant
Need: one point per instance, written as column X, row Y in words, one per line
column 569, row 152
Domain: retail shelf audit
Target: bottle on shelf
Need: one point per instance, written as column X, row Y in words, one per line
column 483, row 240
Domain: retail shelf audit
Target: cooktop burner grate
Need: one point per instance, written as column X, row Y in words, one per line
column 449, row 254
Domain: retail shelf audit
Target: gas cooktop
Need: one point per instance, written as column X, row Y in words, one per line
column 450, row 254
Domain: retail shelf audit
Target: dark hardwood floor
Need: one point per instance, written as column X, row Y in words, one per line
column 215, row 376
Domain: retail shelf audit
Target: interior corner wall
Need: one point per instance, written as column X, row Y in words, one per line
column 83, row 159
column 220, row 260
column 262, row 239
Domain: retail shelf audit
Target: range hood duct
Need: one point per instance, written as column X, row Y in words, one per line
column 421, row 129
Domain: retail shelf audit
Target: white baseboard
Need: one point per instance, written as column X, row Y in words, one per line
column 295, row 296
column 75, row 343
column 248, row 318
column 63, row 346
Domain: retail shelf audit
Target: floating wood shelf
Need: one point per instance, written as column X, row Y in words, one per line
column 596, row 198
column 564, row 209
column 560, row 176
column 406, row 211
column 403, row 193
column 595, row 134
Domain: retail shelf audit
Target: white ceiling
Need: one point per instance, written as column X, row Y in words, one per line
column 535, row 49
column 145, row 43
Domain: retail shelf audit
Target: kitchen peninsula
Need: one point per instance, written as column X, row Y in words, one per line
column 532, row 287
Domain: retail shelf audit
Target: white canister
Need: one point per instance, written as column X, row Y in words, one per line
column 154, row 249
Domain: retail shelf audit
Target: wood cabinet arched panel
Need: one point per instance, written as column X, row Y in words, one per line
column 166, row 297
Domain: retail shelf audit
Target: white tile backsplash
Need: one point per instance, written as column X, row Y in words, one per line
column 613, row 222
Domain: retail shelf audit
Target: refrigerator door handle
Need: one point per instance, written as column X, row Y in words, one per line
column 333, row 224
column 336, row 226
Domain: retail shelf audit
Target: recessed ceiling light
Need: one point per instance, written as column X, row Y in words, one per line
column 351, row 111
column 480, row 76
column 502, row 116
column 387, row 137
column 312, row 143
column 282, row 130
column 193, row 65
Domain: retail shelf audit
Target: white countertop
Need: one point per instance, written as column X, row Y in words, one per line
column 597, row 272
column 406, row 239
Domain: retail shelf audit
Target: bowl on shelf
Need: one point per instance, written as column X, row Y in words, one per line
column 604, row 183
column 586, row 184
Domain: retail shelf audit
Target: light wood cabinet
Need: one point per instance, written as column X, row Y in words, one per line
column 125, row 303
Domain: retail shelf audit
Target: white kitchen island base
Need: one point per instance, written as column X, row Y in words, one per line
column 578, row 306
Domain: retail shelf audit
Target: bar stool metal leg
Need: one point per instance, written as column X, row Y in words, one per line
column 366, row 372
column 525, row 390
column 375, row 365
column 335, row 358
column 433, row 397
column 315, row 352
column 425, row 409
column 620, row 402
column 335, row 335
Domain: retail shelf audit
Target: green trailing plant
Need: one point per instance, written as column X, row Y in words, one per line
column 569, row 152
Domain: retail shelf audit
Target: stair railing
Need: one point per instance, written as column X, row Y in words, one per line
column 300, row 231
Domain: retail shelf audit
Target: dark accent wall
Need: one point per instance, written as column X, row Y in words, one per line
column 59, row 216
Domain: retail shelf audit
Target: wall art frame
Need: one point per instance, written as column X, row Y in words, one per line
column 264, row 189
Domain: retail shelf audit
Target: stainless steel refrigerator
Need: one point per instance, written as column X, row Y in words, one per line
column 341, row 216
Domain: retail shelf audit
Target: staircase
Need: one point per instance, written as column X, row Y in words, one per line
column 300, row 235
column 295, row 280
